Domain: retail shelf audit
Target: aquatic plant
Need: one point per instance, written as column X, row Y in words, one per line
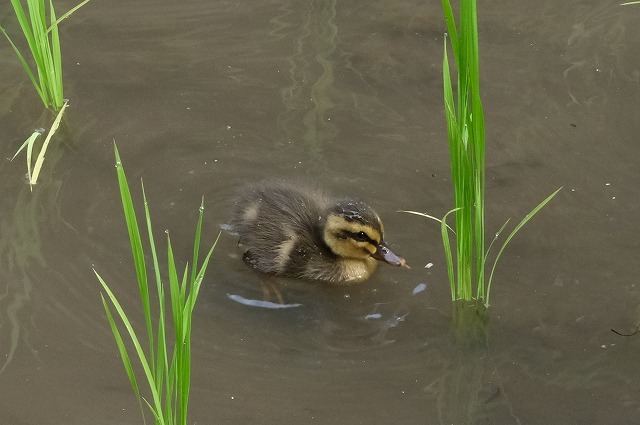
column 168, row 374
column 466, row 134
column 30, row 143
column 44, row 43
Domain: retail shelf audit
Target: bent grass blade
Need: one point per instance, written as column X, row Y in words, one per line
column 513, row 233
column 40, row 160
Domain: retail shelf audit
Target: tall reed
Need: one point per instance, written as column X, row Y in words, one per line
column 44, row 43
column 168, row 374
column 466, row 134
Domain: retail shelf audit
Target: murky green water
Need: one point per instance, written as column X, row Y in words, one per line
column 202, row 97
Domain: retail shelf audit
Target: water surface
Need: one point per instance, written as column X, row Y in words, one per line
column 202, row 97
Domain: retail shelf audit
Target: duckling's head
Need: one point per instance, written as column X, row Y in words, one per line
column 354, row 230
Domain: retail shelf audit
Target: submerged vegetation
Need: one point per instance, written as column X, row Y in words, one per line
column 34, row 172
column 466, row 134
column 168, row 374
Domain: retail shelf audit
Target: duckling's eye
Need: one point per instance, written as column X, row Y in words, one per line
column 361, row 237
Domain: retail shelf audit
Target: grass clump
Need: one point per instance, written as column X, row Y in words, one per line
column 44, row 43
column 168, row 374
column 466, row 134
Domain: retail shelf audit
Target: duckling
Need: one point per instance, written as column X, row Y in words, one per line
column 298, row 232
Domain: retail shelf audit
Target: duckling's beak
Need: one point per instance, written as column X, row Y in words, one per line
column 385, row 254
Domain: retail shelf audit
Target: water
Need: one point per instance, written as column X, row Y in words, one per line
column 202, row 97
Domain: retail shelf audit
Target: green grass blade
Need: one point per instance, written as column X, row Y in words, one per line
column 26, row 67
column 41, row 50
column 136, row 343
column 184, row 358
column 481, row 288
column 478, row 145
column 155, row 366
column 171, row 386
column 184, row 283
column 152, row 244
column 136, row 245
column 40, row 160
column 161, row 362
column 196, row 243
column 512, row 234
column 451, row 28
column 429, row 217
column 170, row 381
column 44, row 43
column 158, row 416
column 193, row 295
column 448, row 255
column 124, row 355
column 69, row 13
column 450, row 111
column 174, row 285
column 24, row 22
column 176, row 301
column 56, row 60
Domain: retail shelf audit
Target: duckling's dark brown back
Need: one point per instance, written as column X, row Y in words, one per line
column 276, row 220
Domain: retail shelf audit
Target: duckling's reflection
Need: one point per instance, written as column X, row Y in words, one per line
column 333, row 319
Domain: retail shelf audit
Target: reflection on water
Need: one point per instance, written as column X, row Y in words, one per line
column 204, row 96
column 260, row 303
column 308, row 98
column 595, row 51
column 21, row 255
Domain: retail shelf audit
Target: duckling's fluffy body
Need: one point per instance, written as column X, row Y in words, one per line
column 300, row 232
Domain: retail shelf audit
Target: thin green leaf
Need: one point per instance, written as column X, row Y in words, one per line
column 451, row 27
column 480, row 294
column 56, row 61
column 121, row 347
column 136, row 343
column 136, row 244
column 447, row 253
column 174, row 286
column 170, row 401
column 159, row 288
column 512, row 234
column 26, row 67
column 69, row 13
column 196, row 243
column 124, row 355
column 427, row 216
